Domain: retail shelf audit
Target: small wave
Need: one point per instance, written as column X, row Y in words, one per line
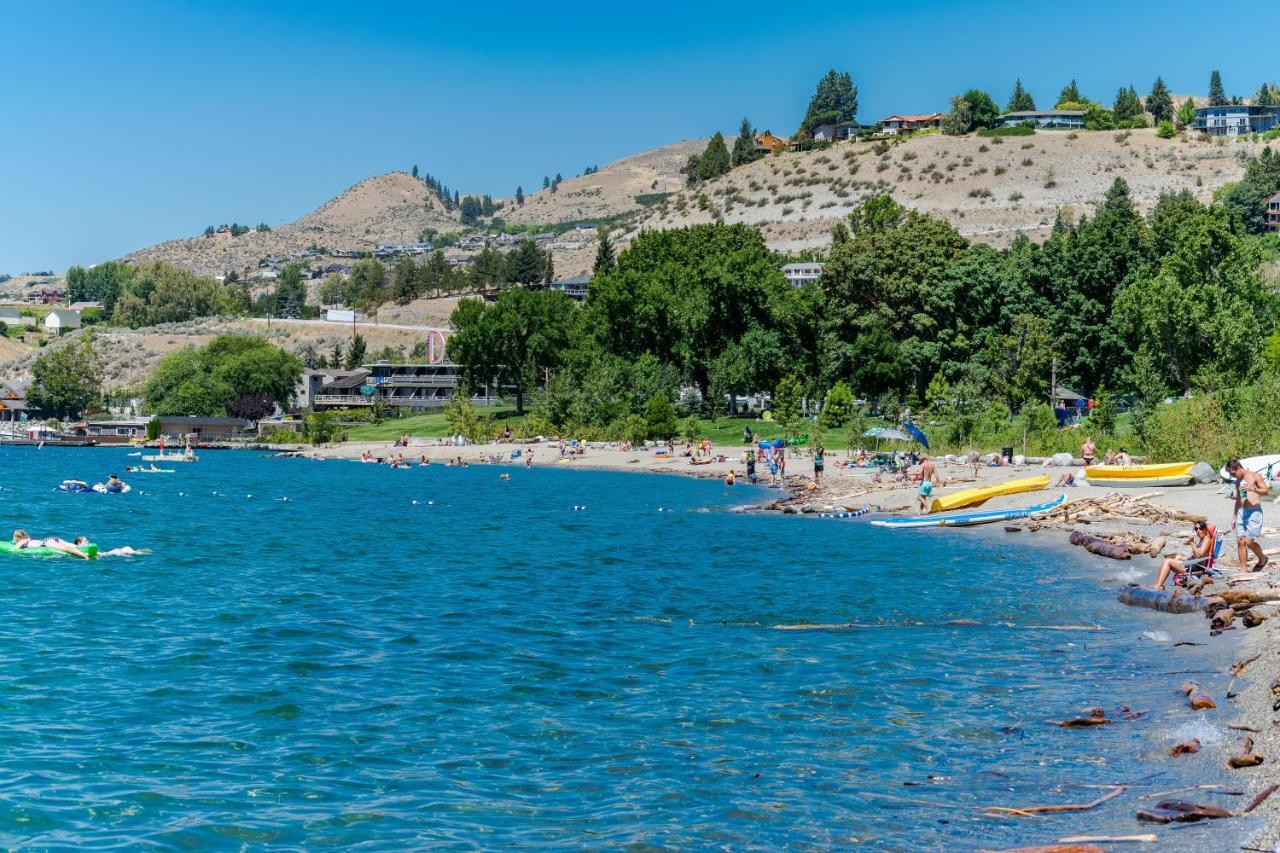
column 1156, row 636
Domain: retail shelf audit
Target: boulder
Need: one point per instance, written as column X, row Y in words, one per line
column 1204, row 473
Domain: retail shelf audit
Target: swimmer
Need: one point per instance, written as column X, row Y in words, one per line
column 114, row 482
column 504, row 476
column 123, row 551
column 21, row 540
column 728, row 480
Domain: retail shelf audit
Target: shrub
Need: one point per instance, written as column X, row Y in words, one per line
column 1027, row 161
column 999, row 170
column 997, row 132
column 1166, row 130
column 1015, row 196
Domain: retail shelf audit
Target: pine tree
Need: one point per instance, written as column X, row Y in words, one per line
column 744, row 146
column 546, row 182
column 834, row 101
column 555, row 182
column 605, row 260
column 1160, row 102
column 840, row 234
column 1127, row 107
column 715, row 159
column 415, row 170
column 1021, row 100
column 1070, row 94
column 519, row 195
column 355, row 355
column 1187, row 113
column 549, row 272
column 1266, row 96
column 1217, row 94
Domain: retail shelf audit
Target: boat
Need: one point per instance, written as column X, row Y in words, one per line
column 1267, row 466
column 968, row 519
column 138, row 469
column 1140, row 476
column 969, row 497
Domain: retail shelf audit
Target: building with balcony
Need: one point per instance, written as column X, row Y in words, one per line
column 1237, row 119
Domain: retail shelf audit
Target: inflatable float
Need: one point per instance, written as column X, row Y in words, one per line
column 41, row 551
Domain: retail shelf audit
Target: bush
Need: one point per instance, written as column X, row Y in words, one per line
column 282, row 435
column 660, row 417
column 1166, row 130
column 839, row 406
column 1017, row 130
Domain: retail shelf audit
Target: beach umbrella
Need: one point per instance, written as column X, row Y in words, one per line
column 917, row 434
column 894, row 435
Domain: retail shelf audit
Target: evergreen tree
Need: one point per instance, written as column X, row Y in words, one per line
column 1070, row 94
column 1160, row 102
column 744, row 146
column 715, row 160
column 1217, row 94
column 1021, row 100
column 1127, row 107
column 336, row 358
column 519, row 195
column 355, row 355
column 555, row 182
column 291, row 292
column 548, row 271
column 486, row 206
column 470, row 210
column 415, row 170
column 835, row 101
column 605, row 259
column 526, row 264
column 1187, row 113
column 546, row 182
column 840, row 235
column 1266, row 96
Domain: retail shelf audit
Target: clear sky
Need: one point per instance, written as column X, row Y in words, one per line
column 127, row 123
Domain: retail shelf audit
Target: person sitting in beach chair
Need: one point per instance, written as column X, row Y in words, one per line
column 1204, row 552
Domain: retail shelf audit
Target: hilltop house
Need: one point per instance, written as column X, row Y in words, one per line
column 1237, row 119
column 901, row 125
column 575, row 287
column 13, row 401
column 1272, row 214
column 61, row 320
column 837, row 132
column 798, row 274
column 1044, row 119
column 767, row 143
column 14, row 317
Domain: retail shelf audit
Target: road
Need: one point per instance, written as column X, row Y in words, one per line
column 364, row 324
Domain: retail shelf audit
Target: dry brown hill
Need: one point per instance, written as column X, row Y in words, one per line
column 990, row 189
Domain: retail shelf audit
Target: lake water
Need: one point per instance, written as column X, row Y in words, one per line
column 488, row 667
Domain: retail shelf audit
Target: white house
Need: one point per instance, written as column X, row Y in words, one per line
column 61, row 320
column 799, row 274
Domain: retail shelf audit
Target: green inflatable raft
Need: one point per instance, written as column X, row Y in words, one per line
column 41, row 551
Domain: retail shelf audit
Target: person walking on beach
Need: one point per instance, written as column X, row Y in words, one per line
column 928, row 479
column 818, row 463
column 1250, row 488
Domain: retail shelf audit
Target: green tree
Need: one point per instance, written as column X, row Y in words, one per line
column 605, row 259
column 787, row 400
column 470, row 210
column 1127, row 108
column 1166, row 130
column 1160, row 102
column 489, row 269
column 835, row 101
column 1020, row 100
column 356, row 352
column 405, row 282
column 959, row 120
column 367, row 285
column 1266, row 96
column 1070, row 94
column 520, row 195
column 291, row 292
column 839, row 405
column 744, row 145
column 526, row 264
column 67, row 379
column 1247, row 198
column 1103, row 415
column 227, row 370
column 715, row 160
column 660, row 418
column 982, row 109
column 1187, row 113
column 1217, row 94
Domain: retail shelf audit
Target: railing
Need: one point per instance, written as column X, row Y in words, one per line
column 421, row 381
column 342, row 400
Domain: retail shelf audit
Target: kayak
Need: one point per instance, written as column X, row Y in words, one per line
column 1267, row 466
column 41, row 551
column 969, row 497
column 1142, row 482
column 1102, row 475
column 968, row 519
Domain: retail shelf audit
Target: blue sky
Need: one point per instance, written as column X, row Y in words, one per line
column 124, row 124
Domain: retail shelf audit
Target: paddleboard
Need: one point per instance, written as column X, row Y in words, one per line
column 968, row 519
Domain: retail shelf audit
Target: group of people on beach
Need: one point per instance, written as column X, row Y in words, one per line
column 1248, row 490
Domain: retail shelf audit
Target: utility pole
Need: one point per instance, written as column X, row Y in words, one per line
column 1053, row 379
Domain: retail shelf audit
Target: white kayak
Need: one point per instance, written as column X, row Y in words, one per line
column 967, row 519
column 1267, row 466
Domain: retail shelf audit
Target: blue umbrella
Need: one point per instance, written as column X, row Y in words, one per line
column 917, row 434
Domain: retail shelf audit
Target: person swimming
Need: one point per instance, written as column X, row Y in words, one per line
column 123, row 551
column 22, row 541
column 115, row 484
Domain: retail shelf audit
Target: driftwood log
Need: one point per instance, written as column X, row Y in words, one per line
column 1185, row 748
column 1197, row 697
column 1243, row 756
column 1166, row 602
column 1181, row 811
column 1095, row 717
column 1101, row 547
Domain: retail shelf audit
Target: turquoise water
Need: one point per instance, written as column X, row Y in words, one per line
column 489, row 667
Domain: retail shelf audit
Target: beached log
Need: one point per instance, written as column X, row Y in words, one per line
column 1081, row 807
column 1252, row 620
column 1235, row 596
column 1101, row 547
column 1185, row 748
column 1222, row 618
column 1165, row 602
column 1197, row 697
column 1094, row 717
column 1181, row 811
column 1156, row 546
column 1058, row 848
column 1243, row 755
column 1261, row 798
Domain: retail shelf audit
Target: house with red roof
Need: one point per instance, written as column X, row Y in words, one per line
column 901, row 125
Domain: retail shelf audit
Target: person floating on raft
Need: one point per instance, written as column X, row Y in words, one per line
column 22, row 541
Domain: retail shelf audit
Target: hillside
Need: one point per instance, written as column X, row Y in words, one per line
column 390, row 208
column 989, row 190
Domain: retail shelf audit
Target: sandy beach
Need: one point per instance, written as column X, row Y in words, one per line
column 1161, row 529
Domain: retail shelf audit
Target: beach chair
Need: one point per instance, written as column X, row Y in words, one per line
column 1206, row 565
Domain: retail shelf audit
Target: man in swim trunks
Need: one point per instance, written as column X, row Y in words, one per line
column 928, row 479
column 1250, row 488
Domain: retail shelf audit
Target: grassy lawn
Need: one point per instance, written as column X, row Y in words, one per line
column 431, row 425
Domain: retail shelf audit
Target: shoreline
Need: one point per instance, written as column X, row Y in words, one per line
column 1248, row 701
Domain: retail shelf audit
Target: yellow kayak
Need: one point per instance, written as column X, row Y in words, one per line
column 969, row 497
column 1102, row 475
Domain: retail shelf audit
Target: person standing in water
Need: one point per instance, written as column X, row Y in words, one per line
column 1249, row 491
